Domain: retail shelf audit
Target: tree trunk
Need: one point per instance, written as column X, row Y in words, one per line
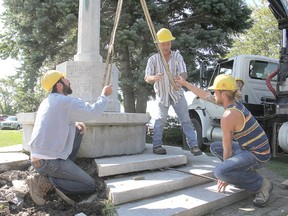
column 127, row 81
column 32, row 81
column 141, row 99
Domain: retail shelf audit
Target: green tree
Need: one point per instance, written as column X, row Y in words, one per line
column 14, row 100
column 6, row 89
column 263, row 38
column 42, row 34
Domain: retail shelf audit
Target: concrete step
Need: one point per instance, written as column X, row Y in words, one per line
column 145, row 161
column 125, row 188
column 12, row 157
column 198, row 200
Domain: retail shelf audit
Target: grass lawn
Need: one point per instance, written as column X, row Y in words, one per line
column 279, row 165
column 10, row 137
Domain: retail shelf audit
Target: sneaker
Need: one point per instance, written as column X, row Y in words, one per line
column 38, row 185
column 196, row 151
column 159, row 150
column 263, row 196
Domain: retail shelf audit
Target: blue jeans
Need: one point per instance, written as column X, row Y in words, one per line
column 181, row 109
column 238, row 170
column 65, row 174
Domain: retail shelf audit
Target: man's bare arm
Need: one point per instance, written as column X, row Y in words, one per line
column 153, row 78
column 205, row 95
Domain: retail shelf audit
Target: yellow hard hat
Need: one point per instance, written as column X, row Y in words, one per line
column 224, row 82
column 49, row 79
column 239, row 79
column 164, row 35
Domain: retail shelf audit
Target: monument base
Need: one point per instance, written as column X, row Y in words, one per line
column 109, row 135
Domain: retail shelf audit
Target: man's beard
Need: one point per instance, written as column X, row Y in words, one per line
column 67, row 89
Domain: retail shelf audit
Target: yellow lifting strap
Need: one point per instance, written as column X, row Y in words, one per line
column 155, row 38
column 110, row 54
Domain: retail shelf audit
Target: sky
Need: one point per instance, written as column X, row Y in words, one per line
column 8, row 67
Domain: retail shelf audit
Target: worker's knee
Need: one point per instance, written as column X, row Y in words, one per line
column 219, row 172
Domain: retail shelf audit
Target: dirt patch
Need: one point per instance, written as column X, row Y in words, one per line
column 11, row 204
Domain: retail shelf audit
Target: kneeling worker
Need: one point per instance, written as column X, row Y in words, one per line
column 56, row 139
column 244, row 147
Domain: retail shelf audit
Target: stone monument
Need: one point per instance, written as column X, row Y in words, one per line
column 113, row 133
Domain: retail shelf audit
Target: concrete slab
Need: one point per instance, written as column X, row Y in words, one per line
column 12, row 157
column 125, row 188
column 145, row 161
column 12, row 148
column 285, row 183
column 199, row 200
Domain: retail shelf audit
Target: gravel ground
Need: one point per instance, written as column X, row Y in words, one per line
column 277, row 206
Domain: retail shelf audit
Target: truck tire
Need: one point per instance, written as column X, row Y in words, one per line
column 198, row 131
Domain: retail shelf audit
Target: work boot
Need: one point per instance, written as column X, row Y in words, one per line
column 196, row 151
column 263, row 196
column 39, row 185
column 64, row 197
column 159, row 150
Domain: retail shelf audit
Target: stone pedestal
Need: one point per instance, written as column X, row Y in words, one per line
column 111, row 134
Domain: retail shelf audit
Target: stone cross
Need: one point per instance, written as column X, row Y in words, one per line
column 88, row 31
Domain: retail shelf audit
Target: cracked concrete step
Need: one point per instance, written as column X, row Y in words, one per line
column 146, row 161
column 193, row 201
column 125, row 188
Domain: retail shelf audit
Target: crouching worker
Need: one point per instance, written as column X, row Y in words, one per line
column 56, row 139
column 244, row 147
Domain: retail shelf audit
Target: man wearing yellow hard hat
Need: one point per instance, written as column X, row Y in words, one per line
column 244, row 145
column 167, row 95
column 240, row 83
column 56, row 139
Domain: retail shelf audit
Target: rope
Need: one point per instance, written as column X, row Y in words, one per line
column 154, row 36
column 110, row 54
column 194, row 174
